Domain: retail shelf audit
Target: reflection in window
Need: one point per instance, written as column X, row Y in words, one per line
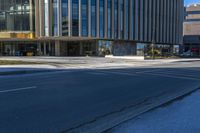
column 55, row 17
column 65, row 29
column 101, row 18
column 15, row 15
column 84, row 7
column 75, row 18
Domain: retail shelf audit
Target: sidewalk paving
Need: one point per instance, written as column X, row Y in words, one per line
column 179, row 117
column 65, row 63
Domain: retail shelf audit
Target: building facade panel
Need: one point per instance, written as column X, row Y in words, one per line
column 130, row 22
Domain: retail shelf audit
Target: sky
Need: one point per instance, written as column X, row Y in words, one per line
column 191, row 1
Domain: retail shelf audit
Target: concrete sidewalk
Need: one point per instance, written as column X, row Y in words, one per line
column 182, row 116
column 66, row 63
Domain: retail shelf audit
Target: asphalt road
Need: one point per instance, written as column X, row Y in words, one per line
column 59, row 101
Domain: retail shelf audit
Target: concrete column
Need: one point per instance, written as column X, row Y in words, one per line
column 89, row 18
column 59, row 18
column 81, row 49
column 45, row 50
column 80, row 19
column 39, row 49
column 41, row 17
column 70, row 16
column 97, row 15
column 105, row 18
column 57, row 48
column 50, row 52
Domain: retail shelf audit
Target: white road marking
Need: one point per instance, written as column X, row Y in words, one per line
column 155, row 70
column 171, row 76
column 118, row 73
column 97, row 73
column 18, row 89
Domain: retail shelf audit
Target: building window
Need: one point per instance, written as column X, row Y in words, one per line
column 93, row 18
column 75, row 18
column 127, row 19
column 109, row 18
column 65, row 27
column 84, row 7
column 122, row 19
column 116, row 19
column 46, row 13
column 55, row 17
column 15, row 15
column 101, row 18
column 133, row 18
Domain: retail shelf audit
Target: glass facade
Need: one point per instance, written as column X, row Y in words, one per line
column 55, row 17
column 109, row 18
column 65, row 23
column 16, row 15
column 93, row 18
column 116, row 19
column 101, row 18
column 126, row 35
column 122, row 19
column 84, row 15
column 46, row 14
column 104, row 20
column 75, row 17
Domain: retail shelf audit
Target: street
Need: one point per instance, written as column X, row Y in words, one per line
column 57, row 102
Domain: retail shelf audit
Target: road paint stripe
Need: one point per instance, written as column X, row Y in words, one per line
column 118, row 73
column 171, row 76
column 97, row 73
column 179, row 74
column 18, row 89
column 148, row 71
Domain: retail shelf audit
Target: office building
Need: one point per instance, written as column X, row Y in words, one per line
column 90, row 27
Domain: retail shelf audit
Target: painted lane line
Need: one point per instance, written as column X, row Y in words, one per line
column 148, row 71
column 171, row 76
column 18, row 89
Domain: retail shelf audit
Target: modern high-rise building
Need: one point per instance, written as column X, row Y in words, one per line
column 90, row 27
column 192, row 30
